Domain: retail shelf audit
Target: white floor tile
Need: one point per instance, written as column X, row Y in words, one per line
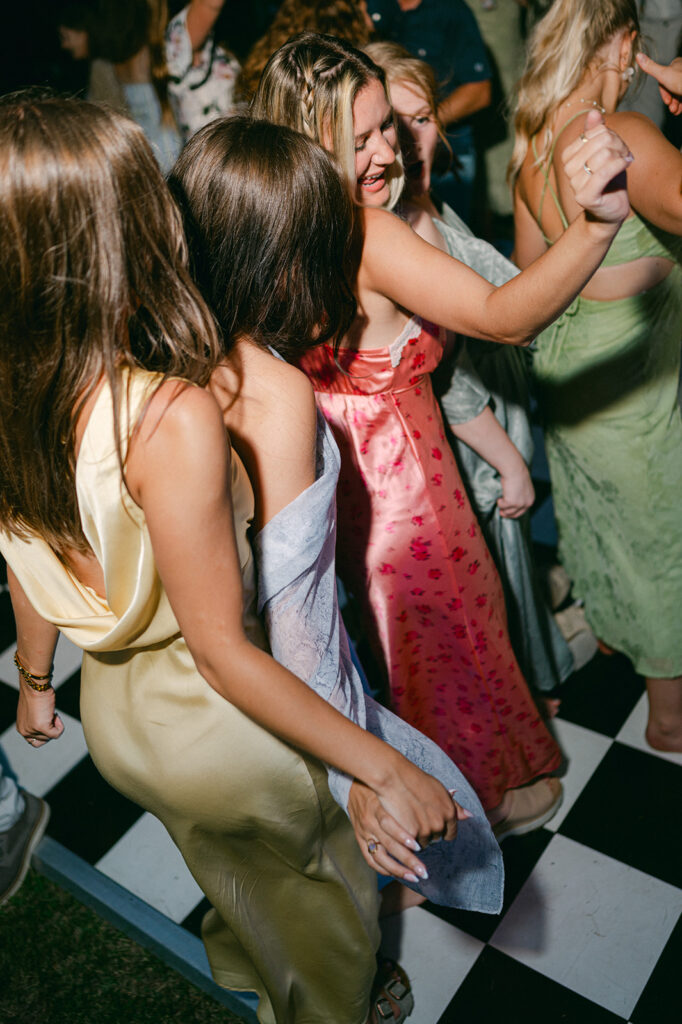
column 590, row 923
column 147, row 862
column 38, row 770
column 436, row 956
column 584, row 750
column 67, row 660
column 632, row 732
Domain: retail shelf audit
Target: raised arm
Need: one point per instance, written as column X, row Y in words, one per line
column 201, row 17
column 414, row 275
column 655, row 178
column 178, row 473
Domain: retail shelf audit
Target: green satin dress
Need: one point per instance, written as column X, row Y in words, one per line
column 295, row 904
column 607, row 375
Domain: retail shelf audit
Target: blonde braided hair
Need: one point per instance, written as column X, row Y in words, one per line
column 311, row 84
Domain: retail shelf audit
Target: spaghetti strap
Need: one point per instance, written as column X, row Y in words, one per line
column 548, row 184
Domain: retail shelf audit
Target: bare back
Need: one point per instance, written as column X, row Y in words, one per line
column 545, row 205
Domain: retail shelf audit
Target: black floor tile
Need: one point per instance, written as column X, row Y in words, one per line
column 602, row 694
column 8, row 706
column 630, row 810
column 659, row 1003
column 521, row 854
column 69, row 696
column 193, row 921
column 500, row 990
column 8, row 632
column 88, row 816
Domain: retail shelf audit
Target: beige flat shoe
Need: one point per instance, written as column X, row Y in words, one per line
column 531, row 807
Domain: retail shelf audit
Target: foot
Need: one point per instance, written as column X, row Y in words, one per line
column 392, row 1001
column 396, row 897
column 528, row 808
column 18, row 843
column 661, row 738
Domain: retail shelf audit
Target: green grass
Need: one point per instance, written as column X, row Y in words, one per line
column 62, row 964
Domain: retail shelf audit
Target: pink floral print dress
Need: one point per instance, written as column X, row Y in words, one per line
column 411, row 551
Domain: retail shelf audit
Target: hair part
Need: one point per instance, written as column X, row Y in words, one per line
column 93, row 278
column 311, row 84
column 271, row 233
column 561, row 48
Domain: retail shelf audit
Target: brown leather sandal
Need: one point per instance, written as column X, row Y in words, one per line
column 392, row 999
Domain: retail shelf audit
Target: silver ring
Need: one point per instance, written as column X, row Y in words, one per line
column 582, row 137
column 30, row 740
column 587, row 169
column 372, row 846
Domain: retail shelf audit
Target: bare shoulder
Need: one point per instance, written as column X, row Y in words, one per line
column 179, row 408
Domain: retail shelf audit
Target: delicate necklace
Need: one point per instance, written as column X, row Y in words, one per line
column 592, row 103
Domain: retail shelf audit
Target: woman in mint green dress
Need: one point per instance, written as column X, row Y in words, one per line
column 608, row 370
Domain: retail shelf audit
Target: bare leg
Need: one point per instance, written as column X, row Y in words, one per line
column 664, row 728
column 396, row 897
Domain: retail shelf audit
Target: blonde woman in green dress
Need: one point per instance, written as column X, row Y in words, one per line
column 608, row 369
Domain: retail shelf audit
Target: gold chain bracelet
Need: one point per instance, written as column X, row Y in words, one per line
column 37, row 683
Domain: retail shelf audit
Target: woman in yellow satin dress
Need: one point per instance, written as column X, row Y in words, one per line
column 123, row 520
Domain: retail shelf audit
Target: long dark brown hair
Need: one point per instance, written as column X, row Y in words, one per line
column 93, row 278
column 272, row 233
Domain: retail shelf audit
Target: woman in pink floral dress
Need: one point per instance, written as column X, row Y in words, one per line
column 408, row 542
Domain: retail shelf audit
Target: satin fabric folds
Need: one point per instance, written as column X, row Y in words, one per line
column 295, row 905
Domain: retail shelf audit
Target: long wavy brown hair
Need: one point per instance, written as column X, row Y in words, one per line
column 93, row 278
column 345, row 19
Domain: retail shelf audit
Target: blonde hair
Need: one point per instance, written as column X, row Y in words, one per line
column 400, row 66
column 560, row 50
column 311, row 84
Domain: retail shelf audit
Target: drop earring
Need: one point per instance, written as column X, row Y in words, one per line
column 628, row 73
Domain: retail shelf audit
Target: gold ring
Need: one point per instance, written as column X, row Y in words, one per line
column 587, row 168
column 372, row 846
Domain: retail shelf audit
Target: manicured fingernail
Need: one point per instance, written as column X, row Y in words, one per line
column 629, row 158
column 409, row 877
column 452, row 792
column 422, row 872
column 466, row 814
column 412, row 844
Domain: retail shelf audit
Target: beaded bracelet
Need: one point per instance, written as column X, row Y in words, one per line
column 37, row 683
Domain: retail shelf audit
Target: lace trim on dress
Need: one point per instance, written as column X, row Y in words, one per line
column 412, row 329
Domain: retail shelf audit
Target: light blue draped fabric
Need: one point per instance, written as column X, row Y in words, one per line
column 295, row 556
column 489, row 372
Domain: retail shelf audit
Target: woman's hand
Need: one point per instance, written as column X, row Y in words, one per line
column 37, row 720
column 420, row 803
column 669, row 78
column 595, row 165
column 385, row 844
column 518, row 493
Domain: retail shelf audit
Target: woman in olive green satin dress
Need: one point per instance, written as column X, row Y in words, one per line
column 608, row 370
column 123, row 518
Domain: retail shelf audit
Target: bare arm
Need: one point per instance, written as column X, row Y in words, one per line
column 201, row 17
column 37, row 720
column 465, row 100
column 490, row 440
column 178, row 490
column 655, row 178
column 399, row 265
